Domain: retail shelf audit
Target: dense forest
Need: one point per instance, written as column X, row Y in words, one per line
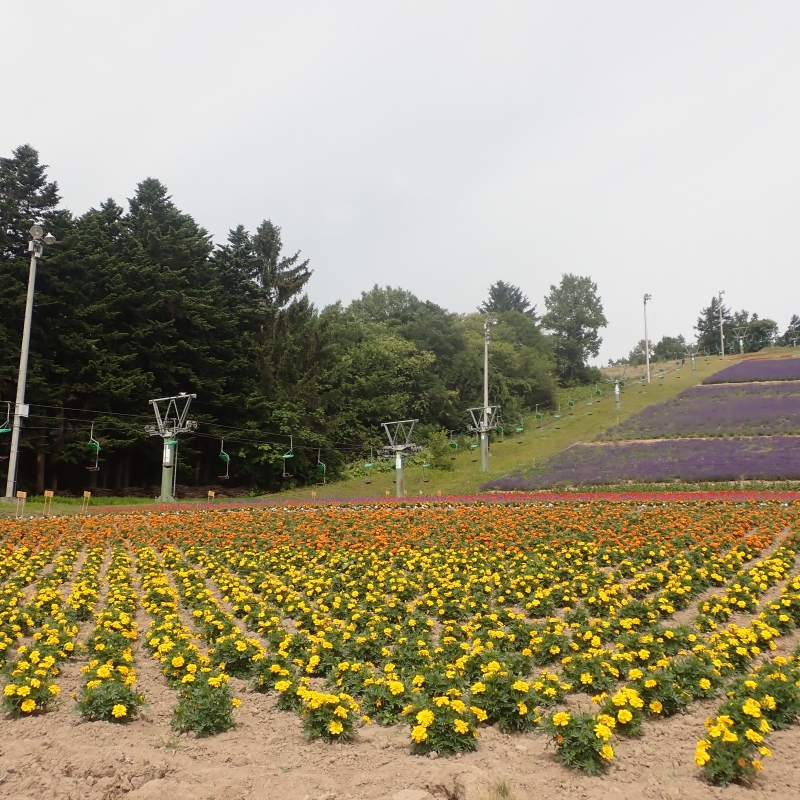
column 137, row 302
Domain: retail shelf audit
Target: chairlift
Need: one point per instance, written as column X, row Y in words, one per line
column 226, row 459
column 426, row 465
column 557, row 415
column 288, row 454
column 501, row 433
column 474, row 448
column 571, row 404
column 95, row 446
column 520, row 429
column 368, row 465
column 6, row 427
column 320, row 467
column 453, row 447
column 538, row 414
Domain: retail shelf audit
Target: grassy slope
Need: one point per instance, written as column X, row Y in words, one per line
column 466, row 476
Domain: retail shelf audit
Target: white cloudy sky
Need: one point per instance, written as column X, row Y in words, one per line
column 440, row 146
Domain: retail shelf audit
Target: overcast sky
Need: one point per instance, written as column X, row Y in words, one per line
column 441, row 146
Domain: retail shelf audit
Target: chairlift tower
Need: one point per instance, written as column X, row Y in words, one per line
column 692, row 350
column 740, row 333
column 398, row 434
column 618, row 383
column 170, row 423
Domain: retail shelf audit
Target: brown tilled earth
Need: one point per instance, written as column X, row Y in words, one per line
column 266, row 756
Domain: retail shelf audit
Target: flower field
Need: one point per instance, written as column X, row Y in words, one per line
column 580, row 623
column 768, row 458
column 754, row 409
column 782, row 369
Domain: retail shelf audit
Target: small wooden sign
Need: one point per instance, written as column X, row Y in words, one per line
column 212, row 495
column 48, row 493
column 22, row 495
column 87, row 495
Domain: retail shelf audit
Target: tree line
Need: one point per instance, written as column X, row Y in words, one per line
column 137, row 302
column 743, row 332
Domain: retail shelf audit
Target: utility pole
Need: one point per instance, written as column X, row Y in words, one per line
column 171, row 421
column 721, row 329
column 35, row 248
column 398, row 434
column 646, row 338
column 487, row 411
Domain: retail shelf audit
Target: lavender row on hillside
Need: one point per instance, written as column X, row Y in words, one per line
column 753, row 409
column 723, row 459
column 781, row 369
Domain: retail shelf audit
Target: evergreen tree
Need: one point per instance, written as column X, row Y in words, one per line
column 707, row 326
column 505, row 297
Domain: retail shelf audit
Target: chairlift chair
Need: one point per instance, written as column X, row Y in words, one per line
column 426, row 465
column 453, row 447
column 226, row 459
column 474, row 448
column 368, row 465
column 320, row 467
column 288, row 454
column 520, row 429
column 6, row 427
column 95, row 446
column 557, row 415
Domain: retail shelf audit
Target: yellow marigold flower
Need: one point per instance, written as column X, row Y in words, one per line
column 10, row 690
column 478, row 688
column 656, row 707
column 602, row 731
column 23, row 691
column 624, row 716
column 635, row 674
column 335, row 727
column 751, row 707
column 753, row 736
column 561, row 719
column 28, row 706
column 396, row 687
column 53, row 689
column 705, row 684
column 479, row 713
column 419, row 734
column 236, row 702
column 177, row 662
column 441, row 701
column 425, row 718
column 607, row 752
column 118, row 711
column 757, row 765
column 187, row 679
column 520, row 686
column 586, row 678
column 461, row 726
column 340, row 712
column 701, row 756
column 764, row 751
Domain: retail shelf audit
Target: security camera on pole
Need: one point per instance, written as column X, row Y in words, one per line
column 171, row 421
column 35, row 248
column 646, row 339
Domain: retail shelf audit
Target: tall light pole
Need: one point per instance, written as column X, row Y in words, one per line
column 36, row 248
column 487, row 412
column 721, row 329
column 646, row 339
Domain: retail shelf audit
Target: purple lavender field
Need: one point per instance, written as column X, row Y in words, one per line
column 781, row 369
column 721, row 459
column 751, row 409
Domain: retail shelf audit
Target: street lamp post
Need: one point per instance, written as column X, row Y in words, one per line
column 646, row 339
column 487, row 412
column 35, row 247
